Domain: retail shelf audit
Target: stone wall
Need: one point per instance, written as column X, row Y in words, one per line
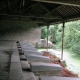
column 19, row 32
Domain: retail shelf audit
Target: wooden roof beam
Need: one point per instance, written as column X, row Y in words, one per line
column 24, row 21
column 64, row 2
column 49, row 12
column 32, row 16
column 75, row 17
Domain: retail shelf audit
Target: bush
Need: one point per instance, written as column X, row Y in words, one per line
column 75, row 49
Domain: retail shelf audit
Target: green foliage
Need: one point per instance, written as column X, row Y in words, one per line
column 59, row 34
column 75, row 48
column 52, row 33
column 43, row 32
column 71, row 35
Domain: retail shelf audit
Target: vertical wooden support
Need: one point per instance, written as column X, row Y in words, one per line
column 20, row 6
column 62, row 40
column 23, row 2
column 8, row 4
column 47, row 36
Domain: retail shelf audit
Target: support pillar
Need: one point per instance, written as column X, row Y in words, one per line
column 47, row 36
column 62, row 40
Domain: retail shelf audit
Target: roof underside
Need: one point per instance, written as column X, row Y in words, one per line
column 41, row 12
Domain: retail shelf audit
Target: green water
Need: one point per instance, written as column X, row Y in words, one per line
column 72, row 60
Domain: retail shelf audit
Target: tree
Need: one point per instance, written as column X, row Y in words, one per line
column 43, row 32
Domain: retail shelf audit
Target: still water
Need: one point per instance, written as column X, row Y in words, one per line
column 72, row 60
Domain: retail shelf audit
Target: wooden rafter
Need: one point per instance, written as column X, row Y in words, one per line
column 2, row 3
column 29, row 8
column 64, row 2
column 33, row 7
column 49, row 12
column 42, row 6
column 8, row 4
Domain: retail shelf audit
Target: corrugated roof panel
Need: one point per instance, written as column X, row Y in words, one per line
column 62, row 12
column 69, row 10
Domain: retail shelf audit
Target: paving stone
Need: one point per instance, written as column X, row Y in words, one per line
column 57, row 78
column 41, row 66
column 29, row 75
column 22, row 57
column 33, row 57
column 15, row 71
column 32, row 52
column 25, row 65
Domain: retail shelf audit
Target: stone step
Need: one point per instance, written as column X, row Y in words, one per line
column 22, row 57
column 41, row 68
column 23, row 46
column 32, row 52
column 38, row 58
column 29, row 76
column 57, row 78
column 25, row 65
column 21, row 53
column 25, row 43
column 27, row 48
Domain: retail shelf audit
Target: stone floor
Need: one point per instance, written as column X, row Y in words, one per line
column 4, row 64
column 14, row 66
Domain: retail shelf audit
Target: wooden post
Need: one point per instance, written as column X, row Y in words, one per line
column 20, row 6
column 23, row 2
column 47, row 36
column 62, row 40
column 8, row 4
